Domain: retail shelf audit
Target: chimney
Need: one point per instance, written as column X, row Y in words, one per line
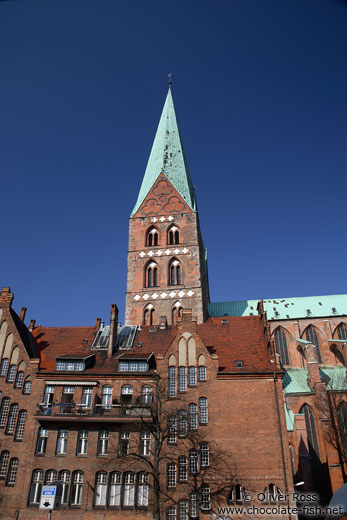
column 162, row 322
column 113, row 328
column 97, row 323
column 6, row 297
column 32, row 325
column 22, row 314
column 186, row 315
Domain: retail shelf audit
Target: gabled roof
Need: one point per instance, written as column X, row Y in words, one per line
column 285, row 308
column 167, row 156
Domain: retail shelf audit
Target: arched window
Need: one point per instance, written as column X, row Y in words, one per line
column 342, row 331
column 51, row 476
column 173, row 236
column 175, row 272
column 128, row 489
column 292, row 459
column 20, row 425
column 148, row 315
column 36, row 486
column 5, row 405
column 342, row 421
column 142, row 489
column 12, row 418
column 151, row 275
column 281, row 346
column 310, row 430
column 4, row 367
column 19, row 379
column 64, row 477
column 114, row 491
column 152, row 237
column 76, row 488
column 176, row 312
column 312, row 337
column 11, row 373
column 100, row 488
column 27, row 386
column 4, row 463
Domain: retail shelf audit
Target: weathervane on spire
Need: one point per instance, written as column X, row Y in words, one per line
column 170, row 82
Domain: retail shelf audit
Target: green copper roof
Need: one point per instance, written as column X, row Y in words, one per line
column 285, row 308
column 167, row 156
column 289, row 414
column 295, row 379
column 334, row 377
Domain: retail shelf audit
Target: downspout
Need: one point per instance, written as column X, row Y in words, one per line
column 282, row 448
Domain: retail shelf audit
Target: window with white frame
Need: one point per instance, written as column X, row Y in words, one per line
column 4, row 458
column 182, row 379
column 87, row 397
column 67, row 399
column 202, row 373
column 193, row 462
column 183, row 510
column 145, row 443
column 62, row 442
column 103, row 438
column 194, row 505
column 19, row 379
column 12, row 418
column 76, row 488
column 126, row 394
column 124, row 443
column 51, row 476
column 12, row 472
column 171, row 475
column 48, row 395
column 172, row 387
column 82, row 442
column 128, row 489
column 70, row 365
column 27, row 387
column 182, row 468
column 41, row 442
column 114, row 492
column 203, row 410
column 106, row 396
column 204, row 454
column 4, row 367
column 64, row 477
column 142, row 489
column 193, row 416
column 11, row 373
column 171, row 513
column 20, row 425
column 205, row 493
column 172, row 430
column 36, row 487
column 100, row 489
column 191, row 376
column 146, row 395
column 5, row 405
column 133, row 366
column 182, row 423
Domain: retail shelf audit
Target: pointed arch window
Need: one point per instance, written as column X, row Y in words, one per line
column 173, row 236
column 176, row 312
column 175, row 272
column 4, row 367
column 311, row 430
column 5, row 405
column 148, row 315
column 342, row 331
column 151, row 275
column 4, row 457
column 152, row 238
column 281, row 346
column 312, row 337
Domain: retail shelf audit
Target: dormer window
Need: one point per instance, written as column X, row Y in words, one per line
column 72, row 364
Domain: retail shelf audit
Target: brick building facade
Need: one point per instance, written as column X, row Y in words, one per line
column 188, row 406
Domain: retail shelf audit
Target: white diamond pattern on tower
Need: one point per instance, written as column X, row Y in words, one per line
column 181, row 294
column 155, row 296
column 146, row 296
column 172, row 294
column 163, row 295
column 190, row 293
column 137, row 297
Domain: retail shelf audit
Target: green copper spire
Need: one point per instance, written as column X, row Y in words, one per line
column 167, row 156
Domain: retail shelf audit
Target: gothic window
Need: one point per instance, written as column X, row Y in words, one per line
column 310, row 430
column 128, row 489
column 175, row 273
column 3, row 367
column 312, row 337
column 103, row 437
column 281, row 346
column 5, row 405
column 203, row 410
column 100, row 488
column 76, row 488
column 36, row 487
column 12, row 418
column 148, row 315
column 342, row 331
column 5, row 455
column 173, row 236
column 19, row 379
column 151, row 275
column 342, row 421
column 20, row 425
column 142, row 490
column 41, row 442
column 176, row 312
column 292, row 459
column 114, row 491
column 202, row 368
column 152, row 238
column 64, row 477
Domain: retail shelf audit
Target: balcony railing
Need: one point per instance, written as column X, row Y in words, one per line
column 78, row 410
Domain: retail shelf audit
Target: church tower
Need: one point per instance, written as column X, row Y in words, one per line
column 167, row 266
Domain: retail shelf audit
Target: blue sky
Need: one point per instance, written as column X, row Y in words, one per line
column 260, row 94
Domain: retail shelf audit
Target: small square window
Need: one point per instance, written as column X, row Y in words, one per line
column 239, row 364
